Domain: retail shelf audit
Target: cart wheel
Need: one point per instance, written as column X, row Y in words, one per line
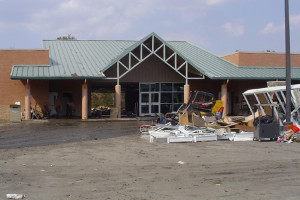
column 259, row 140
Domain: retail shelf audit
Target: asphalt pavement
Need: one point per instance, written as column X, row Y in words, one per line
column 57, row 131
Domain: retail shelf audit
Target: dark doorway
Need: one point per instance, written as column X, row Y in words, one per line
column 66, row 98
column 131, row 98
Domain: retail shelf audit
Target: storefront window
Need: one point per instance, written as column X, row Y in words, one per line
column 160, row 97
column 145, row 98
column 166, row 108
column 177, row 97
column 145, row 109
column 166, row 97
column 145, row 87
column 178, row 87
column 166, row 87
column 176, row 107
column 154, row 87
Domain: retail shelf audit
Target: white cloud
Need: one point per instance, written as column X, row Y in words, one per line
column 102, row 19
column 234, row 30
column 271, row 28
column 135, row 9
column 69, row 5
column 295, row 20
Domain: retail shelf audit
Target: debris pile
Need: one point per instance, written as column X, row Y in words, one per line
column 187, row 133
column 195, row 121
column 292, row 134
column 200, row 119
column 271, row 101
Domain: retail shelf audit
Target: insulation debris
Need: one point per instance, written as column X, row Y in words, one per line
column 15, row 196
column 176, row 134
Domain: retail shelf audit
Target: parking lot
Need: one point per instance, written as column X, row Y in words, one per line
column 57, row 131
column 71, row 159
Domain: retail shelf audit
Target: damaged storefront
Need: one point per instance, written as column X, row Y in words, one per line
column 146, row 77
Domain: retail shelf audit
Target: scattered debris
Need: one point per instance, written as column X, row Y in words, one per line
column 292, row 134
column 176, row 133
column 201, row 119
column 15, row 196
column 181, row 162
column 200, row 104
column 244, row 136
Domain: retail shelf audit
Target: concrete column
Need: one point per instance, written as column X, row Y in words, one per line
column 186, row 93
column 84, row 107
column 118, row 99
column 27, row 101
column 224, row 97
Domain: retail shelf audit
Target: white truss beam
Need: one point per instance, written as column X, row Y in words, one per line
column 148, row 51
column 131, row 54
column 159, row 48
column 182, row 65
column 124, row 65
column 173, row 54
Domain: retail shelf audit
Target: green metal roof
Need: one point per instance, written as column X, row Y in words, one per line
column 33, row 71
column 215, row 67
column 84, row 59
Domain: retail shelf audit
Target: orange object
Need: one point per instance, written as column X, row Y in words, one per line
column 292, row 127
column 289, row 127
column 295, row 129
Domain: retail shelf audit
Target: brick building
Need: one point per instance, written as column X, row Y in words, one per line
column 12, row 91
column 262, row 59
column 154, row 75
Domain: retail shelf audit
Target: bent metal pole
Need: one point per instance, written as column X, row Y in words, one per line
column 288, row 63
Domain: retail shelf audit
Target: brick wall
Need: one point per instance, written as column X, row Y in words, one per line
column 4, row 112
column 14, row 90
column 269, row 59
column 233, row 58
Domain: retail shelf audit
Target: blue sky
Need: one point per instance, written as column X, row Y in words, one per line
column 219, row 26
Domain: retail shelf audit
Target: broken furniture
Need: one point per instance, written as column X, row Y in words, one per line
column 200, row 103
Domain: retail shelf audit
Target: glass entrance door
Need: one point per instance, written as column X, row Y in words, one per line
column 149, row 103
column 149, row 99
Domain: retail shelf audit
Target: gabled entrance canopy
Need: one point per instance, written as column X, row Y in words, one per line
column 146, row 47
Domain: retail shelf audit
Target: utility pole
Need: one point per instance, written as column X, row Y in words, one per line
column 288, row 63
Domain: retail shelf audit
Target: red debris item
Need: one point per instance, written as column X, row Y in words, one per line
column 221, row 109
column 294, row 128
